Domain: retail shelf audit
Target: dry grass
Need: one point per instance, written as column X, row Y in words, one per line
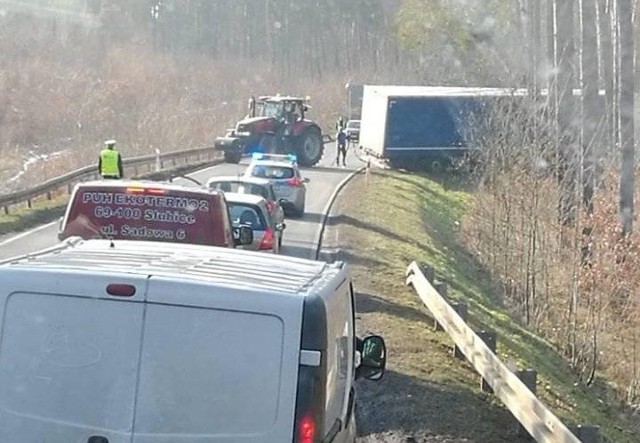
column 398, row 218
column 145, row 100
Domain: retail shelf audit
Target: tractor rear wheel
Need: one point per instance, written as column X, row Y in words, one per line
column 309, row 147
column 232, row 156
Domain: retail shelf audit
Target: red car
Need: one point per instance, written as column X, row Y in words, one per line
column 251, row 185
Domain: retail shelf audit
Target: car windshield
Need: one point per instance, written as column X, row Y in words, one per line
column 273, row 172
column 241, row 188
column 245, row 214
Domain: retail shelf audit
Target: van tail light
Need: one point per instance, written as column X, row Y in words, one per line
column 267, row 240
column 147, row 190
column 295, row 181
column 307, row 430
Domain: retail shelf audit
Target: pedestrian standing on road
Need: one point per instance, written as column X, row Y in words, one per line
column 341, row 144
column 340, row 125
column 110, row 161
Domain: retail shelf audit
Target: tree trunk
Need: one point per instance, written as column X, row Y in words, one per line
column 607, row 63
column 626, row 101
column 565, row 52
column 590, row 108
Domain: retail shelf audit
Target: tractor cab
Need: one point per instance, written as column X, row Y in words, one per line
column 285, row 109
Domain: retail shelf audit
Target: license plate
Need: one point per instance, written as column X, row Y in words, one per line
column 283, row 189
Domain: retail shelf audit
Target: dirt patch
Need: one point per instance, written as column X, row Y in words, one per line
column 379, row 225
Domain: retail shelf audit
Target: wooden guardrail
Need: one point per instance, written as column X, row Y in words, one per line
column 538, row 421
column 158, row 162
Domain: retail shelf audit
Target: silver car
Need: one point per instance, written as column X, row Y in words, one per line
column 251, row 210
column 250, row 185
column 283, row 172
column 353, row 131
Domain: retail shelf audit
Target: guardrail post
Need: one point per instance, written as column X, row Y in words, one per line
column 463, row 311
column 49, row 195
column 489, row 338
column 29, row 203
column 6, row 210
column 158, row 160
column 69, row 187
column 442, row 289
column 530, row 378
column 587, row 434
column 429, row 272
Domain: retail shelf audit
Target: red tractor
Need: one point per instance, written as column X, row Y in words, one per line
column 274, row 125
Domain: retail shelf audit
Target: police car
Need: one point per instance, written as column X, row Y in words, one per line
column 284, row 174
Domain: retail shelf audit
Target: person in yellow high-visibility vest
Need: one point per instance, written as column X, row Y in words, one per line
column 110, row 161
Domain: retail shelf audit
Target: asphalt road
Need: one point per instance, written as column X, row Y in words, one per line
column 299, row 235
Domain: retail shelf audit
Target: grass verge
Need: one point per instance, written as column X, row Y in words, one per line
column 42, row 211
column 383, row 224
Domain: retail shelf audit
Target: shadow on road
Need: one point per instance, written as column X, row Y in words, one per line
column 308, row 217
column 298, row 251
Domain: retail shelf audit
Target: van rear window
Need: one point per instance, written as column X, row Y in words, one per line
column 273, row 172
column 241, row 188
column 145, row 214
column 62, row 355
column 225, row 365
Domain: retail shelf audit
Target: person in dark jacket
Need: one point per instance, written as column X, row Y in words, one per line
column 341, row 144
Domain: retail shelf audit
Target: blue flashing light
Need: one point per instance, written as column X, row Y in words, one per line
column 257, row 155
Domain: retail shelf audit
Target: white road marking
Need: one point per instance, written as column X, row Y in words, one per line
column 27, row 233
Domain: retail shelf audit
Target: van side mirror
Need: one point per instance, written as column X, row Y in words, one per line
column 243, row 235
column 373, row 358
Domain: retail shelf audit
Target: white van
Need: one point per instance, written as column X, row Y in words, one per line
column 137, row 341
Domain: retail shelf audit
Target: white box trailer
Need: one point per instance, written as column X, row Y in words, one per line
column 136, row 341
column 408, row 123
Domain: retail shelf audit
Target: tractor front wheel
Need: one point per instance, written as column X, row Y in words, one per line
column 309, row 148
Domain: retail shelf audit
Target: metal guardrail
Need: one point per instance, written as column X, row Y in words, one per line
column 47, row 188
column 155, row 162
column 533, row 415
